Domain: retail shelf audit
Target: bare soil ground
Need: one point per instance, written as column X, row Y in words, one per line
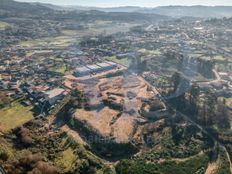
column 99, row 121
column 212, row 168
column 124, row 97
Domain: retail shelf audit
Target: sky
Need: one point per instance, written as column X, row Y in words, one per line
column 142, row 3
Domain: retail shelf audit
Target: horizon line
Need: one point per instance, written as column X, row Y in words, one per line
column 121, row 6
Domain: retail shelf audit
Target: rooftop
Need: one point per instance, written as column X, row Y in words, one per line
column 111, row 63
column 93, row 67
column 55, row 92
column 104, row 65
column 83, row 69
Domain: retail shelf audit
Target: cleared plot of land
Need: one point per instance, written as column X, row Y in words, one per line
column 99, row 121
column 212, row 168
column 121, row 98
column 3, row 25
column 102, row 123
column 14, row 116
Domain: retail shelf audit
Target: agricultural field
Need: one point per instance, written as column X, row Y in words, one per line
column 14, row 116
column 60, row 41
column 67, row 37
column 100, row 27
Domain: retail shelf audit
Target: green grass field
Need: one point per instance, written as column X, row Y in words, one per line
column 124, row 61
column 14, row 116
column 62, row 69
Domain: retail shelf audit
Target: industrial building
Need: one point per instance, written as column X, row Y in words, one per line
column 107, row 66
column 82, row 71
column 94, row 68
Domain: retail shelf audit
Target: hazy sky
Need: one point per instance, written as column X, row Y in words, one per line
column 144, row 3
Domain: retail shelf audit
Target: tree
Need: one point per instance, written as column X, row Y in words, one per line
column 194, row 93
column 210, row 101
column 4, row 100
column 45, row 168
column 25, row 136
column 223, row 115
column 4, row 155
column 176, row 78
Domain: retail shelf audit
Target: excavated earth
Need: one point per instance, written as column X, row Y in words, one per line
column 117, row 109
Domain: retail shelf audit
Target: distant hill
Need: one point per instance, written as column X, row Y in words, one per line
column 194, row 11
column 51, row 6
column 128, row 9
column 93, row 15
column 173, row 11
column 12, row 8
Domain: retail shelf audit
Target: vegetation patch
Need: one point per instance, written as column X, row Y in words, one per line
column 123, row 61
column 224, row 165
column 179, row 143
column 61, row 69
column 38, row 149
column 196, row 165
column 66, row 159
